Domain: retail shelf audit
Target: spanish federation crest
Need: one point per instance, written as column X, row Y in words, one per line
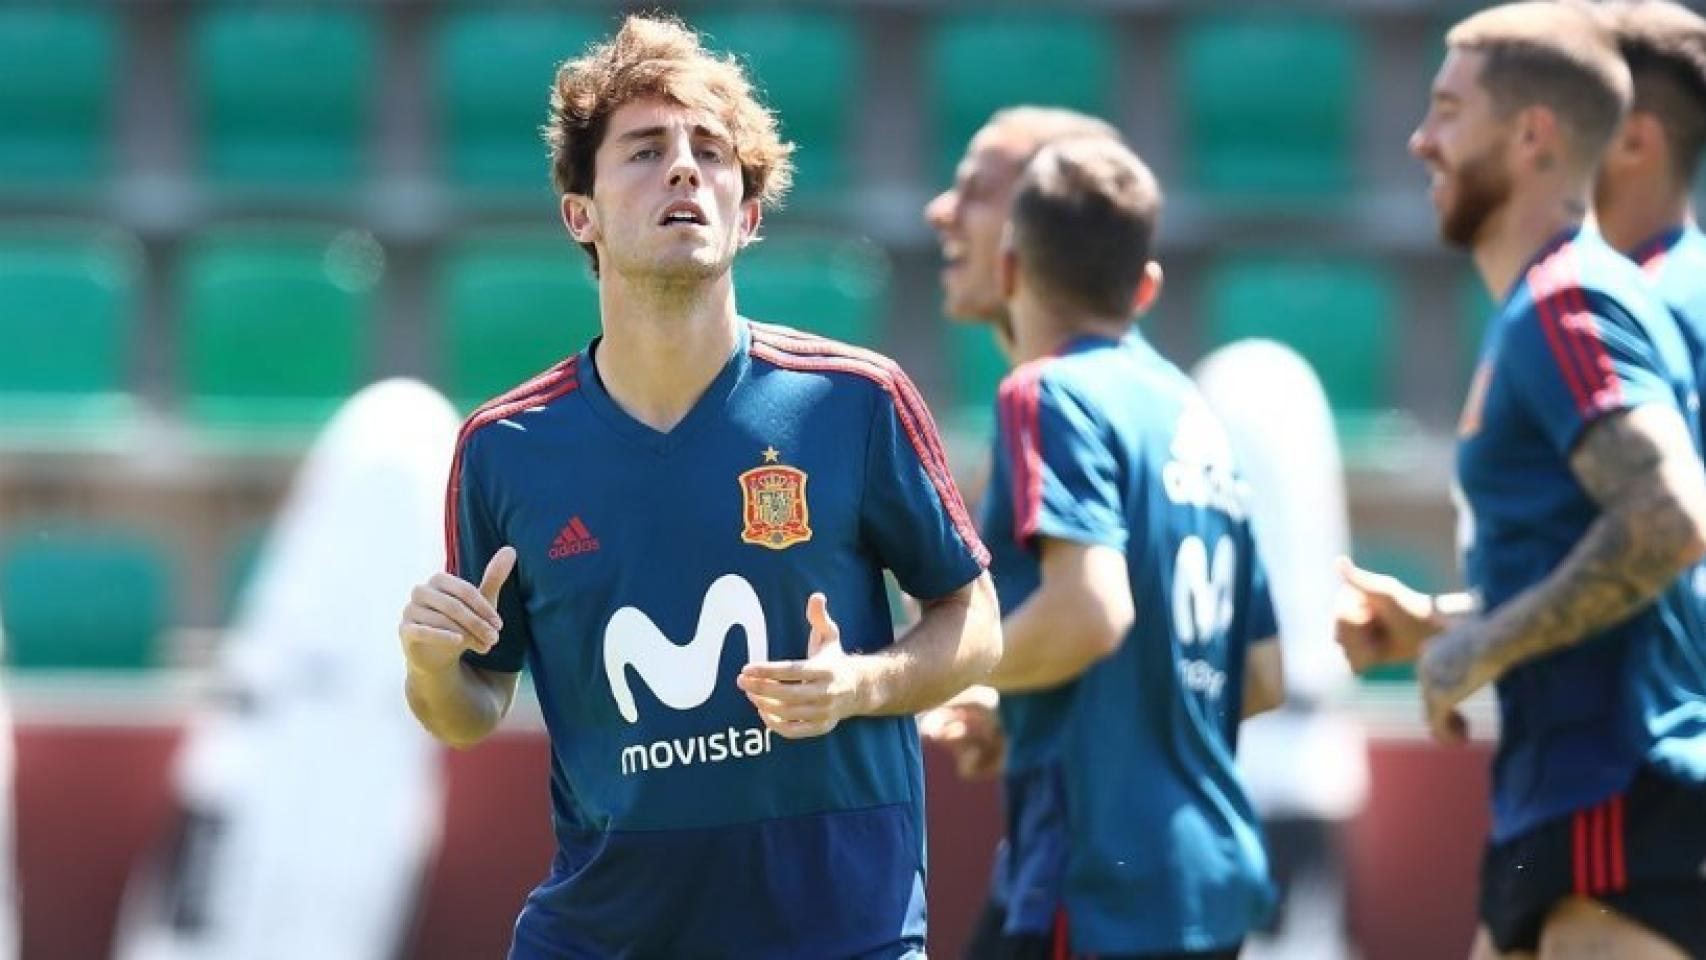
column 774, row 504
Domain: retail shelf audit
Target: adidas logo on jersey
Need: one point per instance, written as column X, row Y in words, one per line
column 572, row 540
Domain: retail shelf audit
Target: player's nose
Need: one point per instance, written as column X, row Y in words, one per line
column 1421, row 143
column 683, row 168
column 939, row 212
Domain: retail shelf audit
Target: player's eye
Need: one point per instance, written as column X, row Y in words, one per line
column 646, row 153
column 711, row 154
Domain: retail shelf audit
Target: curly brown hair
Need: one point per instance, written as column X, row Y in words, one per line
column 659, row 56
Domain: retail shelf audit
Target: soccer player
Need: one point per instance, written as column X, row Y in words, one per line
column 1642, row 198
column 1018, row 741
column 681, row 532
column 969, row 216
column 1123, row 557
column 1582, row 505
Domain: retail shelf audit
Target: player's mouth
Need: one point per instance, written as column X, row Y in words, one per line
column 682, row 212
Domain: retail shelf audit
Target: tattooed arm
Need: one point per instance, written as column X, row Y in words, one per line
column 1641, row 468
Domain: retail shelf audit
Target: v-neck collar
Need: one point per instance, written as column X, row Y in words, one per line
column 709, row 404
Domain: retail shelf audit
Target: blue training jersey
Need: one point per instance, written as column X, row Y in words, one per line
column 1578, row 336
column 652, row 567
column 1675, row 263
column 1124, row 807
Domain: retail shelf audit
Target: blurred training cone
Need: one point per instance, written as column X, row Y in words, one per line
column 309, row 797
column 1306, row 764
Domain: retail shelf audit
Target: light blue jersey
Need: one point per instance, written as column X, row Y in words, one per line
column 1124, row 807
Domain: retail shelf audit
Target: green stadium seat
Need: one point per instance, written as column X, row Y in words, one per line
column 58, row 75
column 832, row 286
column 511, row 305
column 69, row 326
column 810, row 68
column 1340, row 314
column 979, row 63
column 276, row 324
column 283, row 95
column 494, row 69
column 1269, row 104
column 84, row 597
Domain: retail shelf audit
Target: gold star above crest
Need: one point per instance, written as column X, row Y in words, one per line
column 771, row 454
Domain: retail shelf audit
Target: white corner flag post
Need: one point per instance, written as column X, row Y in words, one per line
column 1307, row 762
column 309, row 797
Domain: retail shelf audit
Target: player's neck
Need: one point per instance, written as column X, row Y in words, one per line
column 1641, row 211
column 1041, row 329
column 1516, row 231
column 663, row 346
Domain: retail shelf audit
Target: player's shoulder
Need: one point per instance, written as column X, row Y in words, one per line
column 523, row 401
column 845, row 365
column 1582, row 276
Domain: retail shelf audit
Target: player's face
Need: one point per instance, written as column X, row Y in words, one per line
column 1464, row 145
column 969, row 218
column 666, row 197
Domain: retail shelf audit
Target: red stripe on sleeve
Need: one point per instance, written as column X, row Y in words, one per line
column 1021, row 398
column 1551, row 322
column 1604, row 389
column 829, row 356
column 544, row 388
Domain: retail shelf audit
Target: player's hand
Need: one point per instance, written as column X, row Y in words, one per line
column 1448, row 671
column 448, row 615
column 968, row 726
column 806, row 698
column 1379, row 620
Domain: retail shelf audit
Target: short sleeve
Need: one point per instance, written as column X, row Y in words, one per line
column 911, row 514
column 1576, row 357
column 1065, row 478
column 472, row 540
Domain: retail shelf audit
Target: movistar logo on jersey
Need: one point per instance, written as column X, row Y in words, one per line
column 683, row 676
column 1199, row 473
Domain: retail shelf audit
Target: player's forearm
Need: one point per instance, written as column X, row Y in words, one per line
column 952, row 646
column 1626, row 559
column 1264, row 677
column 461, row 706
column 1644, row 474
column 1056, row 635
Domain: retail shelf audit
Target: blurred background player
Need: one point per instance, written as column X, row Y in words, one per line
column 1131, row 589
column 1582, row 503
column 308, row 798
column 1642, row 199
column 690, row 473
column 969, row 219
column 1305, row 765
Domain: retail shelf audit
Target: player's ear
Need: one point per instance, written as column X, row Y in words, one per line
column 1148, row 289
column 1007, row 265
column 751, row 218
column 580, row 218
